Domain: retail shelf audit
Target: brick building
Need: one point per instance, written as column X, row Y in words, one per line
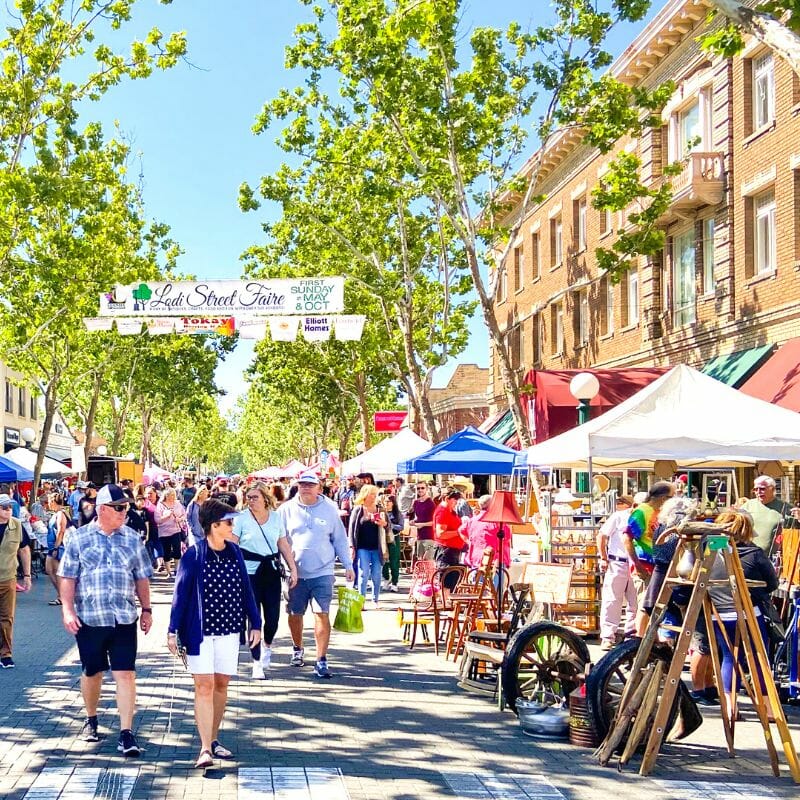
column 727, row 280
column 463, row 401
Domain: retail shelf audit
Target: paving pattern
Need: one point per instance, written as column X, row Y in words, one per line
column 391, row 725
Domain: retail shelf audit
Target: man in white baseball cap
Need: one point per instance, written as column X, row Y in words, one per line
column 317, row 537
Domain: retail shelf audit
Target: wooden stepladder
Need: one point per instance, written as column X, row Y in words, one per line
column 651, row 688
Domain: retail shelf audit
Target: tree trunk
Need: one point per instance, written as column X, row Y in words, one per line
column 50, row 408
column 146, row 433
column 363, row 409
column 419, row 396
column 765, row 28
column 88, row 433
column 344, row 439
column 507, row 374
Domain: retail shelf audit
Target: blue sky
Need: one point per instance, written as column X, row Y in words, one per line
column 192, row 126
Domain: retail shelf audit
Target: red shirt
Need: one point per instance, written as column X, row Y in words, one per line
column 452, row 522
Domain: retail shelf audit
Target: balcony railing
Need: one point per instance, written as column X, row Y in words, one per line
column 700, row 182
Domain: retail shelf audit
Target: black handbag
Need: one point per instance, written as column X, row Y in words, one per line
column 271, row 562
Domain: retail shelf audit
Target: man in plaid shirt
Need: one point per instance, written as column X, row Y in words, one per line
column 104, row 568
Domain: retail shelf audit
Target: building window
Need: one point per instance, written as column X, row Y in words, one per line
column 763, row 91
column 34, row 406
column 581, row 303
column 557, row 329
column 519, row 268
column 555, row 241
column 21, row 401
column 502, row 287
column 765, row 233
column 9, row 397
column 538, row 340
column 605, row 221
column 536, row 264
column 520, row 342
column 630, row 298
column 796, row 177
column 709, row 284
column 683, row 278
column 606, row 306
column 579, row 224
column 58, row 427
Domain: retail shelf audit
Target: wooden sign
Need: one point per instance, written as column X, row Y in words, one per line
column 549, row 582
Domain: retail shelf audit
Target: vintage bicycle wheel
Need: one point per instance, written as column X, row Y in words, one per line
column 543, row 660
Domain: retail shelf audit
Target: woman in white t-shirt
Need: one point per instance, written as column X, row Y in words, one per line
column 262, row 540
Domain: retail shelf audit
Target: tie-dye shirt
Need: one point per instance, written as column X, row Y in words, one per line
column 641, row 528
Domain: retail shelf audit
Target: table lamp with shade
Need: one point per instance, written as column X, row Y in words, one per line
column 503, row 510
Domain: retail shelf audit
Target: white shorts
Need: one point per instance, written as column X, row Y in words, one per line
column 218, row 654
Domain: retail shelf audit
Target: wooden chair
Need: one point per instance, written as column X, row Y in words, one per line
column 419, row 613
column 473, row 600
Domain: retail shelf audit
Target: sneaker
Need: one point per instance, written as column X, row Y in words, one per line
column 89, row 730
column 258, row 671
column 6, row 662
column 127, row 744
column 606, row 644
column 385, row 586
column 297, row 657
column 321, row 669
column 394, row 588
column 266, row 658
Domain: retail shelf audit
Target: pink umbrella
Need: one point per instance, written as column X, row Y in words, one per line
column 292, row 469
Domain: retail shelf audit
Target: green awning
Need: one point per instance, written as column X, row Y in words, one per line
column 735, row 368
column 504, row 429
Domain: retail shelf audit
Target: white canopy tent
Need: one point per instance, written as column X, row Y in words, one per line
column 382, row 460
column 27, row 458
column 683, row 416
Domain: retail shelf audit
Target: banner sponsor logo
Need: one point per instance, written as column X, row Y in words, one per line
column 349, row 327
column 316, row 329
column 223, row 326
column 283, row 329
column 216, row 298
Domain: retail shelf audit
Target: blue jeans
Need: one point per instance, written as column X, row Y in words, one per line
column 369, row 565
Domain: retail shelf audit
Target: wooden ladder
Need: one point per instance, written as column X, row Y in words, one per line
column 651, row 689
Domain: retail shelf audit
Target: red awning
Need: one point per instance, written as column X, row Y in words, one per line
column 778, row 381
column 555, row 407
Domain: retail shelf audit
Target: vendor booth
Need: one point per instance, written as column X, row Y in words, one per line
column 11, row 471
column 468, row 452
column 684, row 418
column 382, row 459
column 27, row 459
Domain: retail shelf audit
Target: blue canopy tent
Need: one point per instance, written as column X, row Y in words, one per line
column 9, row 471
column 468, row 452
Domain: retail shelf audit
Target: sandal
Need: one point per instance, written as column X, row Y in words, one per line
column 220, row 751
column 56, row 602
column 205, row 760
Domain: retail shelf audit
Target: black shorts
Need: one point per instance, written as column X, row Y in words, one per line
column 171, row 546
column 100, row 645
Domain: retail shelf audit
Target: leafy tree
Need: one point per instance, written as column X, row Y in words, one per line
column 348, row 209
column 774, row 22
column 457, row 132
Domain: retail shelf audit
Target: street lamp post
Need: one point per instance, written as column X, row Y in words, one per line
column 28, row 435
column 584, row 388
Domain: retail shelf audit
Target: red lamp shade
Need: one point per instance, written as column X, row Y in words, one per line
column 503, row 508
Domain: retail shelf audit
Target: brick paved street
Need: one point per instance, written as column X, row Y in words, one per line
column 393, row 723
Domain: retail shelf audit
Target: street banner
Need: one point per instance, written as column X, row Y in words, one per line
column 225, row 298
column 158, row 326
column 129, row 327
column 283, row 329
column 388, row 421
column 316, row 329
column 223, row 326
column 251, row 328
column 94, row 324
column 349, row 327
